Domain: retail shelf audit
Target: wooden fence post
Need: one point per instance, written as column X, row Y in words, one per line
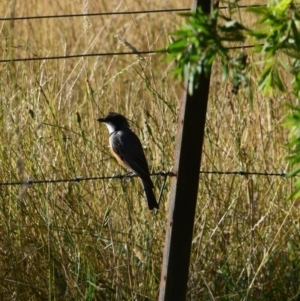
column 184, row 190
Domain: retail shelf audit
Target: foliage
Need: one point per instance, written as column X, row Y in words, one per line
column 275, row 36
column 200, row 41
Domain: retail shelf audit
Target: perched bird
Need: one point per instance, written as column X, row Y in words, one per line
column 128, row 150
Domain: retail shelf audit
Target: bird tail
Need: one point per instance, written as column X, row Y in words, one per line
column 152, row 203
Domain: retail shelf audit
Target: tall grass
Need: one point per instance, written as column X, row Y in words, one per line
column 97, row 240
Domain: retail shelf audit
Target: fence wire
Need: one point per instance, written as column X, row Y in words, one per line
column 60, row 57
column 166, row 10
column 131, row 175
column 138, row 53
column 170, row 10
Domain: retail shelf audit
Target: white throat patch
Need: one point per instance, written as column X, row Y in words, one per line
column 111, row 128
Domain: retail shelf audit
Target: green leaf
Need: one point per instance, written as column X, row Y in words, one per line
column 282, row 6
column 265, row 78
column 294, row 173
column 296, row 34
column 277, row 80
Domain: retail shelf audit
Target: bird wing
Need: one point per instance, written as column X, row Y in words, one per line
column 129, row 149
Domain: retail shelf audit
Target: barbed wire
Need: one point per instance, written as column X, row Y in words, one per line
column 138, row 53
column 77, row 56
column 131, row 175
column 247, row 173
column 166, row 10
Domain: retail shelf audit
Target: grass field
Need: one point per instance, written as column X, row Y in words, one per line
column 97, row 240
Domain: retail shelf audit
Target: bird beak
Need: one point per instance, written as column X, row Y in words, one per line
column 101, row 119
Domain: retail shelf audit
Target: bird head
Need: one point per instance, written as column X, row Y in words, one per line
column 114, row 121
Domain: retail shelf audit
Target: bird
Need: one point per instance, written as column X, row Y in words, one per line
column 127, row 149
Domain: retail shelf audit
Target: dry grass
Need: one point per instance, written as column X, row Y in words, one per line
column 96, row 240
